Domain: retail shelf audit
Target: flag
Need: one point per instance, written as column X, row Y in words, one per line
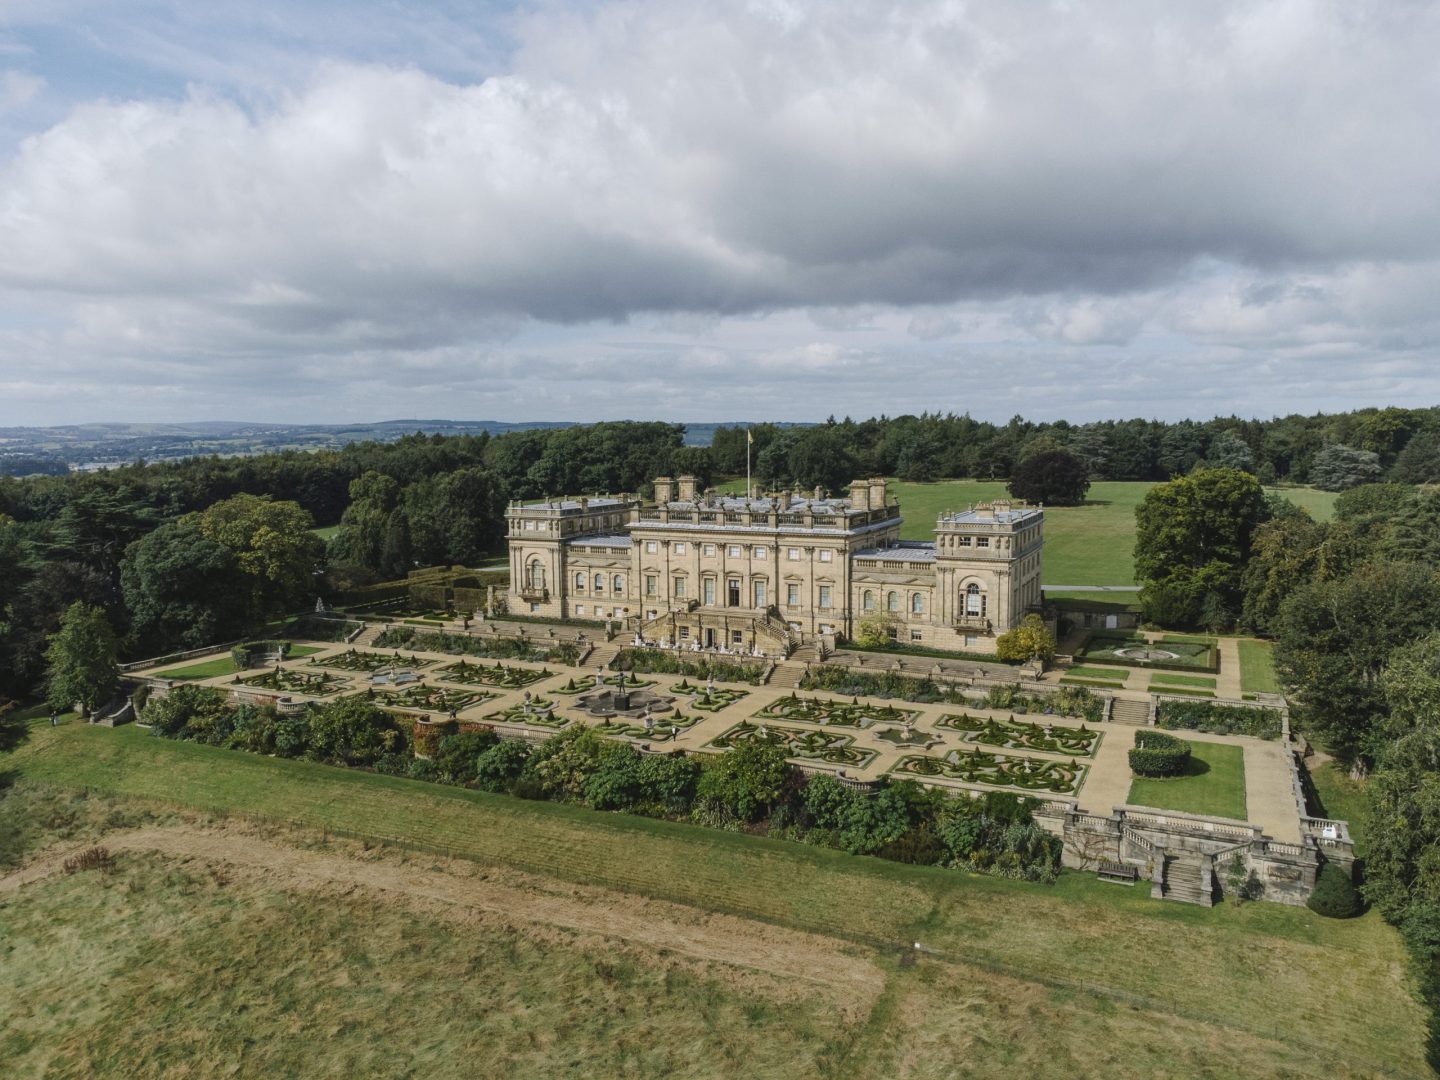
column 749, row 438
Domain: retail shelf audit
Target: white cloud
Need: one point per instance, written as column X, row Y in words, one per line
column 917, row 185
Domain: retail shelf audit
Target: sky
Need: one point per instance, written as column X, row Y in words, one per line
column 350, row 210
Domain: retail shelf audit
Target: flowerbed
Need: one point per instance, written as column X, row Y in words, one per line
column 358, row 660
column 506, row 678
column 995, row 770
column 835, row 713
column 826, row 746
column 665, row 662
column 287, row 681
column 1009, row 735
column 1218, row 719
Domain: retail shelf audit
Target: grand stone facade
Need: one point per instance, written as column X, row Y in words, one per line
column 769, row 573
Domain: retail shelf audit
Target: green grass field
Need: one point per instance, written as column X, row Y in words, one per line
column 327, row 532
column 207, row 669
column 1321, row 504
column 1342, row 798
column 1109, row 674
column 1257, row 667
column 1009, row 958
column 1214, row 784
column 1162, row 678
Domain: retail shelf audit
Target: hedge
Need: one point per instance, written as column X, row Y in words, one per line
column 1217, row 719
column 244, row 653
column 1334, row 895
column 1158, row 754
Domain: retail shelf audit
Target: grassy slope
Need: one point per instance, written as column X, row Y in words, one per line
column 1321, row 504
column 1230, row 970
column 1215, row 784
column 1342, row 798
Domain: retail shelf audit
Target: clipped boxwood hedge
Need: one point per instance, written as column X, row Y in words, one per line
column 1217, row 719
column 1158, row 754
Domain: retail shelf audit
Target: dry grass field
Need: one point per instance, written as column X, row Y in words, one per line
column 554, row 941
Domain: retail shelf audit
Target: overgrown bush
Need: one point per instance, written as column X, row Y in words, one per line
column 1218, row 719
column 1075, row 701
column 1158, row 754
column 838, row 679
column 664, row 662
column 497, row 768
column 997, row 834
column 1334, row 895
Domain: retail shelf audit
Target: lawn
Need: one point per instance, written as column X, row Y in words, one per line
column 1110, row 674
column 1341, row 798
column 1257, row 667
column 1084, row 545
column 1004, row 959
column 1214, row 784
column 1165, row 679
column 223, row 665
column 1321, row 504
column 327, row 532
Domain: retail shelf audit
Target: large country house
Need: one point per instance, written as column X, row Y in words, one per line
column 767, row 573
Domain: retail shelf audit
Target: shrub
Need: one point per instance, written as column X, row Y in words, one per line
column 1218, row 719
column 456, row 755
column 745, row 783
column 186, row 712
column 1158, row 754
column 838, row 679
column 997, row 834
column 1334, row 895
column 499, row 767
column 659, row 661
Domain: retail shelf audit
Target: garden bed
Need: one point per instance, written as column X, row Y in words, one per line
column 1127, row 650
column 994, row 770
column 835, row 713
column 359, row 661
column 1218, row 719
column 665, row 662
column 827, row 746
column 1010, row 735
column 506, row 678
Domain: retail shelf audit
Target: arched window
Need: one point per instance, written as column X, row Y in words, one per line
column 535, row 574
column 974, row 600
column 867, row 600
column 617, row 584
column 892, row 601
column 599, row 583
column 579, row 581
column 917, row 604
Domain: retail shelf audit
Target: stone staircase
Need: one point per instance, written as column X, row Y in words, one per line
column 602, row 654
column 787, row 675
column 368, row 635
column 1185, row 882
column 1126, row 711
column 807, row 653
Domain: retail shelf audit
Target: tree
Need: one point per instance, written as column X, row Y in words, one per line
column 1054, row 477
column 1193, row 537
column 1028, row 641
column 746, row 782
column 183, row 590
column 1229, row 451
column 1419, row 462
column 273, row 547
column 1334, row 640
column 80, row 661
column 876, row 630
column 1338, row 467
column 1284, row 554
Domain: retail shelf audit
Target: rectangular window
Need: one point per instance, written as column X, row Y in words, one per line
column 679, row 549
column 679, row 586
column 650, row 584
column 684, row 632
column 650, row 547
column 759, row 594
column 758, row 553
column 982, row 541
column 824, row 596
column 737, row 637
column 534, row 607
column 708, row 589
column 915, row 635
column 964, row 541
column 792, row 595
column 708, row 549
column 825, row 554
column 733, row 551
column 529, row 526
column 971, row 639
column 579, row 609
column 793, row 554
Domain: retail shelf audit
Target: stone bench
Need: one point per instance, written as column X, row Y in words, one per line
column 1118, row 872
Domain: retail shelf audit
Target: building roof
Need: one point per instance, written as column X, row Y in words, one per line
column 905, row 551
column 763, row 504
column 984, row 515
column 602, row 541
column 595, row 503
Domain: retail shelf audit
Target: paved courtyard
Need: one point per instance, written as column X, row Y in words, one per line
column 1104, row 783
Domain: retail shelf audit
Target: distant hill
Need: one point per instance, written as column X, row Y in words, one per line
column 102, row 445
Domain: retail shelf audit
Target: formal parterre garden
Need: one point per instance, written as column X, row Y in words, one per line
column 1013, row 735
column 708, row 698
column 666, row 662
column 995, row 770
column 660, row 730
column 540, row 712
column 827, row 746
column 362, row 661
column 492, row 648
column 290, row 681
column 1169, row 652
column 431, row 698
column 500, row 675
column 854, row 714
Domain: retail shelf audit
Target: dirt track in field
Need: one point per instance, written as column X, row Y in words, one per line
column 499, row 897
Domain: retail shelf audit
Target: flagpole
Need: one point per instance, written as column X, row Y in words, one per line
column 749, row 491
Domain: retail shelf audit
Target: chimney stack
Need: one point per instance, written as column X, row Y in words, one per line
column 877, row 493
column 688, row 484
column 664, row 490
column 859, row 495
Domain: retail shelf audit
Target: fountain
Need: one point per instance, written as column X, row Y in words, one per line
column 622, row 700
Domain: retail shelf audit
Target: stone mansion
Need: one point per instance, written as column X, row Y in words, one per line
column 767, row 574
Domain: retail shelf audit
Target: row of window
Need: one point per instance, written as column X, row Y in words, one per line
column 617, row 585
column 736, row 551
